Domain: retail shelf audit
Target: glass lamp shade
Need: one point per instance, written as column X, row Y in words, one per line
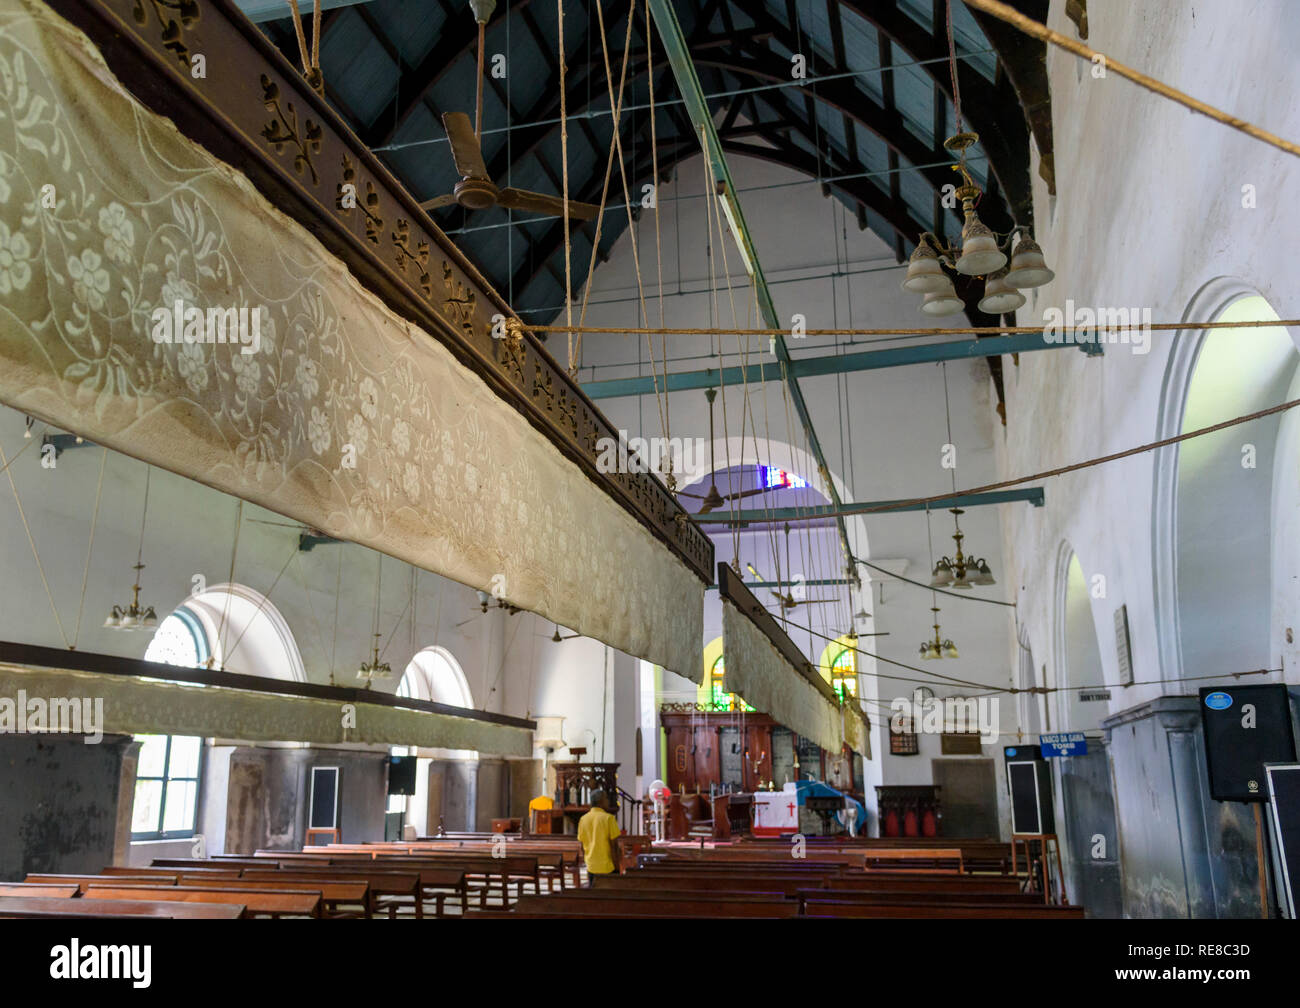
column 942, row 302
column 964, row 580
column 114, row 620
column 929, row 650
column 1028, row 268
column 979, row 249
column 149, row 619
column 950, row 650
column 942, row 575
column 1000, row 296
column 924, row 274
column 983, row 575
column 128, row 622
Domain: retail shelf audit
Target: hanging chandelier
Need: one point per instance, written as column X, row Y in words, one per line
column 134, row 616
column 940, row 647
column 374, row 669
column 960, row 570
column 981, row 254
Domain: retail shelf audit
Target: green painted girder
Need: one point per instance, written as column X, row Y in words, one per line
column 829, row 364
column 688, row 83
column 756, row 516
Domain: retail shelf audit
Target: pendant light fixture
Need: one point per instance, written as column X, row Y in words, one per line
column 134, row 616
column 939, row 646
column 981, row 254
column 375, row 669
column 957, row 571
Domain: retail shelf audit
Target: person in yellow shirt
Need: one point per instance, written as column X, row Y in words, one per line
column 596, row 832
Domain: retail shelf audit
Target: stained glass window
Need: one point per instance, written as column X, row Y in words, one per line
column 844, row 674
column 719, row 698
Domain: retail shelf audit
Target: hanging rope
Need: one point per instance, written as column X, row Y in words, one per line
column 952, row 68
column 954, row 331
column 1011, row 16
column 564, row 173
column 85, row 574
column 40, row 568
column 225, row 609
column 310, row 59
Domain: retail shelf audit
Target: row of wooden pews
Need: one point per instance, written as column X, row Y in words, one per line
column 738, row 881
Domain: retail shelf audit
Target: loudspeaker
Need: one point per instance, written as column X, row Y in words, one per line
column 1029, row 782
column 401, row 775
column 1245, row 727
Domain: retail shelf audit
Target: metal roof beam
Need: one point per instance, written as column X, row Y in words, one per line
column 829, row 364
column 688, row 83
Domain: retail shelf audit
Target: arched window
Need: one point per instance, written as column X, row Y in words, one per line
column 719, row 698
column 844, row 674
column 167, row 772
column 433, row 674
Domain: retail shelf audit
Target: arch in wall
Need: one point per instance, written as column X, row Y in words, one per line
column 1214, row 518
column 246, row 632
column 1177, row 466
column 1077, row 658
column 433, row 674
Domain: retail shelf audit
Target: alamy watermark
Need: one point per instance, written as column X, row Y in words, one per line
column 951, row 715
column 1127, row 326
column 188, row 324
column 57, row 715
column 656, row 454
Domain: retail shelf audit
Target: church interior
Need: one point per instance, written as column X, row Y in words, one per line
column 430, row 435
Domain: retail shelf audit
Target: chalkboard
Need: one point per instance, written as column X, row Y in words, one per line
column 324, row 798
column 1284, row 802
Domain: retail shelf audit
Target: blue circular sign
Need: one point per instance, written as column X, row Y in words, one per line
column 1218, row 701
column 1011, row 752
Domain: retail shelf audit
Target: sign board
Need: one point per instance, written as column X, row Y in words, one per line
column 1063, row 744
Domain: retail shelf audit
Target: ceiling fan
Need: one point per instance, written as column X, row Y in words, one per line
column 714, row 500
column 476, row 190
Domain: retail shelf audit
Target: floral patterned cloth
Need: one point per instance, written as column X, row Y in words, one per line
column 347, row 418
column 760, row 674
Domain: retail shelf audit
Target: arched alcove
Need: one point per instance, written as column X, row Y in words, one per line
column 1222, row 530
column 1230, row 487
column 246, row 633
column 1078, row 661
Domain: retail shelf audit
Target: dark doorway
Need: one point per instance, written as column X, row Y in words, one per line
column 969, row 797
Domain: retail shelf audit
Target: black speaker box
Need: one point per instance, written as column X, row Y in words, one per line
column 1029, row 782
column 401, row 775
column 1245, row 727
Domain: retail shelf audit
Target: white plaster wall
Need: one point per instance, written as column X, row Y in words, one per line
column 1148, row 213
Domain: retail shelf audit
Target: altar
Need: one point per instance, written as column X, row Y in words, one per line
column 776, row 812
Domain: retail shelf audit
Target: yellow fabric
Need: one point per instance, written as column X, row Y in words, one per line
column 542, row 802
column 596, row 831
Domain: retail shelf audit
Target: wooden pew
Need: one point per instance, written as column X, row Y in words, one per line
column 333, row 892
column 390, row 888
column 589, row 903
column 39, row 906
column 513, row 867
column 33, row 889
column 81, row 881
column 271, row 902
column 915, row 859
column 953, row 911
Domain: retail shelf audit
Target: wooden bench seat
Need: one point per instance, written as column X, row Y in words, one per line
column 33, row 889
column 953, row 911
column 81, row 881
column 391, row 888
column 268, row 902
column 591, row 903
column 334, row 893
column 39, row 906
